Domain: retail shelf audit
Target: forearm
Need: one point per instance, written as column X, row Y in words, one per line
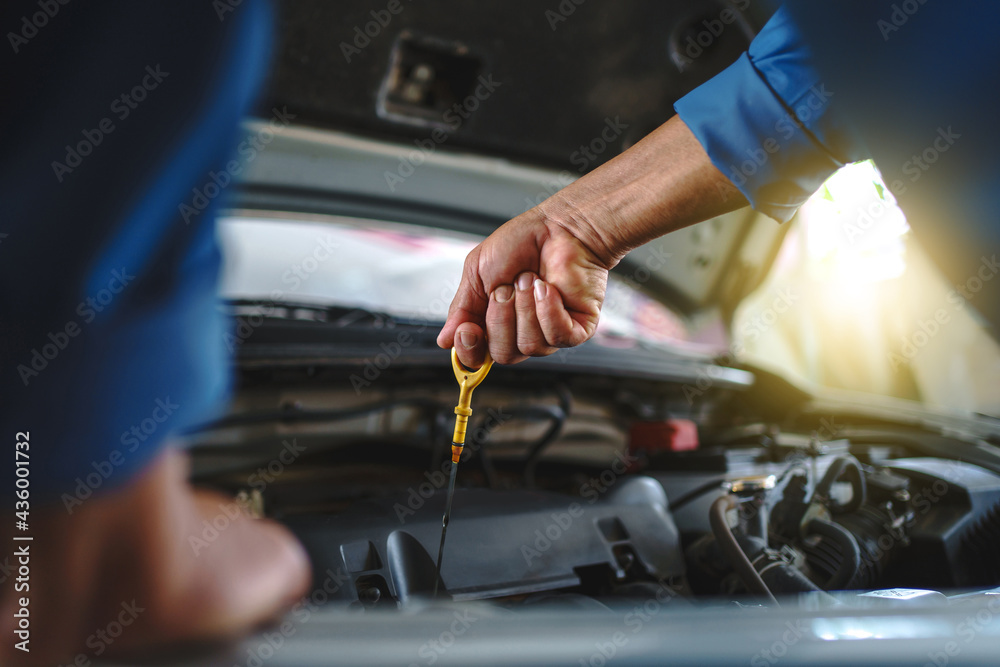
column 663, row 183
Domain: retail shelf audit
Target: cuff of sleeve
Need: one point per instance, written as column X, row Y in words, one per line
column 756, row 142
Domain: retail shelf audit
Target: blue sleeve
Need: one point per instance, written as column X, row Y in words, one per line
column 921, row 83
column 112, row 337
column 769, row 122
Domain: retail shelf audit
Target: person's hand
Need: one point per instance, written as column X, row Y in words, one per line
column 534, row 286
column 537, row 283
column 147, row 566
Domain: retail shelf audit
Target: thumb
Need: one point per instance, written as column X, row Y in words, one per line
column 470, row 343
column 469, row 305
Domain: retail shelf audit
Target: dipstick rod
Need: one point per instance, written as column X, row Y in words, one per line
column 467, row 381
column 444, row 523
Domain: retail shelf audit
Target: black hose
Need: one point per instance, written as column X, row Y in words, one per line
column 840, row 466
column 851, row 562
column 558, row 418
column 716, row 484
column 555, row 414
column 731, row 548
column 697, row 492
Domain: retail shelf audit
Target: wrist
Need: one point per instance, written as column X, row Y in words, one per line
column 562, row 212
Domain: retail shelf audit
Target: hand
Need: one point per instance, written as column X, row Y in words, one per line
column 127, row 558
column 534, row 286
column 537, row 283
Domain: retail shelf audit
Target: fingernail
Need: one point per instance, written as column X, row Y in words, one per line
column 539, row 290
column 503, row 293
column 524, row 282
column 467, row 339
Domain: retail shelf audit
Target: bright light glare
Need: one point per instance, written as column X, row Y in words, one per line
column 854, row 229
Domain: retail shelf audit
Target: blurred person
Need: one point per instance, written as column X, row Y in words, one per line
column 115, row 114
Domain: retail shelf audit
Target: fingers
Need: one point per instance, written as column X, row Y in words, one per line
column 470, row 342
column 501, row 323
column 502, row 301
column 558, row 325
column 512, row 320
column 530, row 339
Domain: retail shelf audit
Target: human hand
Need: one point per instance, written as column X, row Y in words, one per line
column 533, row 286
column 538, row 282
column 127, row 558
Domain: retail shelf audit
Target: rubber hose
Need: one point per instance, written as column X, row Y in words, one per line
column 731, row 548
column 840, row 465
column 840, row 536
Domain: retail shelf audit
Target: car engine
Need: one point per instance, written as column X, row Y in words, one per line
column 587, row 490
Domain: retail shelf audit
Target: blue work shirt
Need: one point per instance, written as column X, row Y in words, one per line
column 912, row 84
column 115, row 114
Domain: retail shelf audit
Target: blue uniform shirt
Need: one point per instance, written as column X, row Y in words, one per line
column 115, row 114
column 914, row 85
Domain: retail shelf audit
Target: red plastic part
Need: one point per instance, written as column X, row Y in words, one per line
column 673, row 435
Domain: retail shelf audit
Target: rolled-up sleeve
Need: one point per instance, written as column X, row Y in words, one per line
column 770, row 124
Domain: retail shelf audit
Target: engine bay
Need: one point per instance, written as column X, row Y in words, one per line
column 589, row 491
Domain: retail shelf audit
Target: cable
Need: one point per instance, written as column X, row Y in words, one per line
column 697, row 492
column 559, row 415
column 731, row 548
column 716, row 483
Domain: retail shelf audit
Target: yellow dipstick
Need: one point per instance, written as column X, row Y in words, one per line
column 467, row 381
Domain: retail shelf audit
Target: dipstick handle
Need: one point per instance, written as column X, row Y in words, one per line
column 467, row 381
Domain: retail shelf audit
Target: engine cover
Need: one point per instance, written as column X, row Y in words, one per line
column 499, row 543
